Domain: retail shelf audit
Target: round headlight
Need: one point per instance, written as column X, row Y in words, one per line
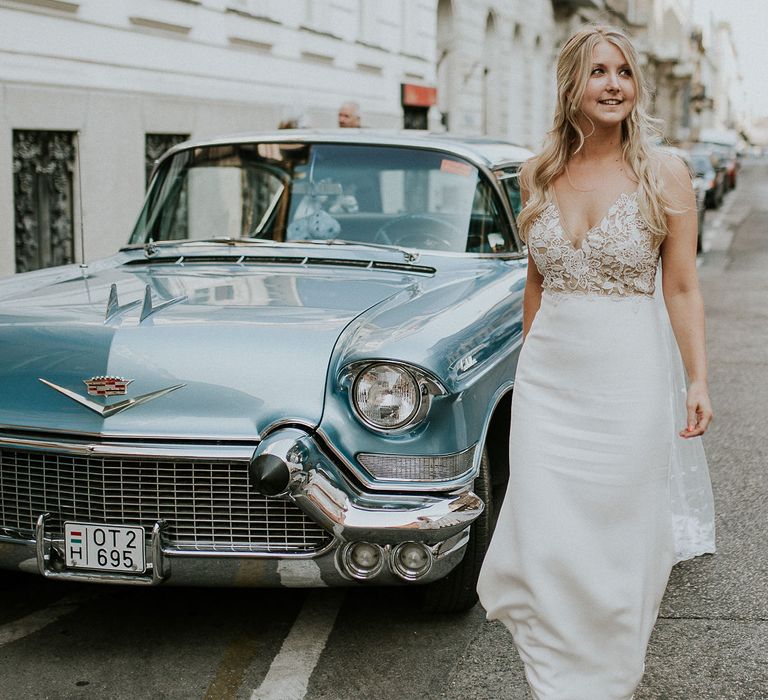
column 386, row 396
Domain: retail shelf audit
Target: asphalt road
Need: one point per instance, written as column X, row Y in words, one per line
column 710, row 643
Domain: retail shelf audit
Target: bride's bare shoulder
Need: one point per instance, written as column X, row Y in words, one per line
column 674, row 176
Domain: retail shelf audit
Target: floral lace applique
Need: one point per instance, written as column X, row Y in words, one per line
column 616, row 258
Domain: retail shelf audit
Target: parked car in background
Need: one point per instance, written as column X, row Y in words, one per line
column 725, row 143
column 699, row 190
column 709, row 167
column 298, row 373
column 730, row 162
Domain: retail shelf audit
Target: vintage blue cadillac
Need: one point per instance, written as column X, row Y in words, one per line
column 298, row 372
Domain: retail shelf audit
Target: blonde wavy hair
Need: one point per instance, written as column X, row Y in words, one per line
column 638, row 133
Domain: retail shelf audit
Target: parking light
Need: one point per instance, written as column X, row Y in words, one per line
column 411, row 560
column 362, row 560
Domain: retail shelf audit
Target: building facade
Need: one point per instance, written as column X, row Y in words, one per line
column 93, row 91
column 495, row 67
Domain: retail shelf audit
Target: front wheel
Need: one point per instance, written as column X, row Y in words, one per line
column 457, row 592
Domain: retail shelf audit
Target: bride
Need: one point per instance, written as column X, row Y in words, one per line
column 605, row 491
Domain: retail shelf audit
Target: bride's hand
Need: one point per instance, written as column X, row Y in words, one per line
column 699, row 410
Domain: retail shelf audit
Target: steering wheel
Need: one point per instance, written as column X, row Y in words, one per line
column 417, row 234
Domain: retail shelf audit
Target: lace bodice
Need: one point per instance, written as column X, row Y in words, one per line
column 617, row 256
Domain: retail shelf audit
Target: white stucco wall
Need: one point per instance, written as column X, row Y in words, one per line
column 520, row 76
column 114, row 71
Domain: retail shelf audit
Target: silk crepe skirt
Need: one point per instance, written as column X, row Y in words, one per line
column 583, row 545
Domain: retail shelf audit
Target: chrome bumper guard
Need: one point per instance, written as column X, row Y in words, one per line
column 323, row 492
column 50, row 562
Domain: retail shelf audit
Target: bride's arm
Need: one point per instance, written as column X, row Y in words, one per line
column 681, row 292
column 532, row 293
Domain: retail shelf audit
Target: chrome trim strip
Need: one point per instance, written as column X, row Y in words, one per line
column 211, row 554
column 34, row 432
column 175, row 552
column 429, row 142
column 286, row 423
column 15, row 538
column 223, row 453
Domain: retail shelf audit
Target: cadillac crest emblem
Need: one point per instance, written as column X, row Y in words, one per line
column 107, row 386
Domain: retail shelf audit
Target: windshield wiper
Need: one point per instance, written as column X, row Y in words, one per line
column 151, row 247
column 410, row 255
column 226, row 240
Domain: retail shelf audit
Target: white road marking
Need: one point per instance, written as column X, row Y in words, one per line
column 289, row 673
column 300, row 572
column 24, row 626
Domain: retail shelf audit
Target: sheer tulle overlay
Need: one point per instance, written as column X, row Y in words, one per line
column 598, row 507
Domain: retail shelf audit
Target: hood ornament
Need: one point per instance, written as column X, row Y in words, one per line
column 115, row 308
column 147, row 308
column 105, row 410
column 113, row 305
column 107, row 386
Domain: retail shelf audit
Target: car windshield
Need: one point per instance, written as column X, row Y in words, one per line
column 384, row 195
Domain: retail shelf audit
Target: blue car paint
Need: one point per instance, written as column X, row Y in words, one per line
column 251, row 347
column 478, row 312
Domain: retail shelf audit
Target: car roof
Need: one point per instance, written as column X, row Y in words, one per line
column 485, row 151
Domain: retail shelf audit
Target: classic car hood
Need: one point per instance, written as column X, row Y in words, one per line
column 249, row 346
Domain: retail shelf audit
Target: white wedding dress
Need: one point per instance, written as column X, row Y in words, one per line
column 603, row 496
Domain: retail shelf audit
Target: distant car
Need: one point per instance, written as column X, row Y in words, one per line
column 298, row 373
column 730, row 161
column 709, row 167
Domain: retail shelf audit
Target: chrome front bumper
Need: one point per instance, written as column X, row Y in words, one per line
column 319, row 488
column 167, row 565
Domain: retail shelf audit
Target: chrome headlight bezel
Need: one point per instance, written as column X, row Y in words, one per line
column 426, row 385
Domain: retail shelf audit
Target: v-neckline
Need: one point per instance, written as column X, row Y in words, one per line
column 566, row 234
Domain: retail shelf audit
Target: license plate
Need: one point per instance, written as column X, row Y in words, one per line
column 104, row 547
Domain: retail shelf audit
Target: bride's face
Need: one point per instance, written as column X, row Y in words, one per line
column 610, row 91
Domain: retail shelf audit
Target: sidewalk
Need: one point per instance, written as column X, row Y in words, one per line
column 711, row 640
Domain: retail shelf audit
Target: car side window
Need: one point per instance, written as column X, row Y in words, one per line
column 488, row 232
column 510, row 179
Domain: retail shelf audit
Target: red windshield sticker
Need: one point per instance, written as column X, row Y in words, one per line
column 455, row 168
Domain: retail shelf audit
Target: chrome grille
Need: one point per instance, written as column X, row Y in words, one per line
column 206, row 505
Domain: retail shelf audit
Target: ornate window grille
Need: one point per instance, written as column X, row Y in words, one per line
column 157, row 144
column 43, row 165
